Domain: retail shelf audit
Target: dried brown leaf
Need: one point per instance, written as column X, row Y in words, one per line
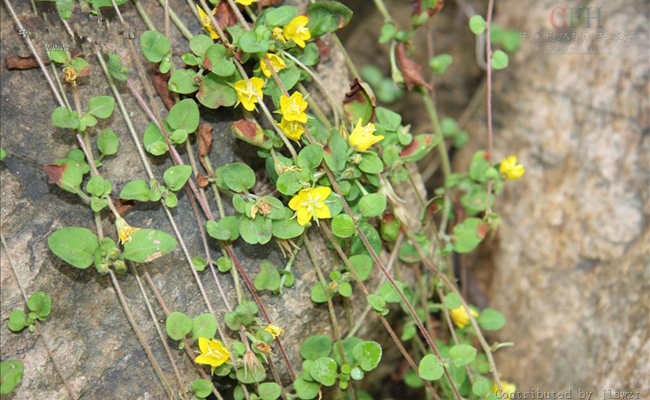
column 159, row 82
column 205, row 139
column 411, row 70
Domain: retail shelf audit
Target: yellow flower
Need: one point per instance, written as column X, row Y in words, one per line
column 292, row 129
column 293, row 108
column 247, row 92
column 274, row 330
column 508, row 388
column 510, row 169
column 297, row 30
column 213, row 353
column 278, row 35
column 460, row 317
column 124, row 230
column 310, row 203
column 207, row 24
column 362, row 136
column 69, row 74
column 246, row 2
column 277, row 63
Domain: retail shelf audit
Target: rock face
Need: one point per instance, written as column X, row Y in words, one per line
column 571, row 266
column 87, row 331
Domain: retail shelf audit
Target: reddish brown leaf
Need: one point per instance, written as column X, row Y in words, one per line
column 417, row 8
column 54, row 172
column 482, row 230
column 159, row 82
column 225, row 15
column 205, row 139
column 246, row 128
column 410, row 69
column 202, row 180
column 408, row 150
column 122, row 207
column 324, row 49
column 266, row 3
column 360, row 92
column 18, row 62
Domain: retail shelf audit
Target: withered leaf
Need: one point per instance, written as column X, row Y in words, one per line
column 159, row 82
column 411, row 70
column 54, row 172
column 225, row 16
column 204, row 138
column 18, row 62
column 202, row 180
column 417, row 8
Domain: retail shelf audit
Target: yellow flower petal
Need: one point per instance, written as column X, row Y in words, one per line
column 292, row 129
column 207, row 24
column 293, row 108
column 362, row 137
column 309, row 203
column 246, row 2
column 213, row 353
column 321, row 192
column 510, row 169
column 278, row 34
column 277, row 63
column 297, row 30
column 304, row 216
column 124, row 230
column 460, row 317
column 247, row 93
column 274, row 330
column 322, row 212
column 508, row 388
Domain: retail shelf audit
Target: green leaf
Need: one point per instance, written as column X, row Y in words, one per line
column 440, row 63
column 17, row 321
column 371, row 164
column 3, row 154
column 199, row 44
column 74, row 245
column 268, row 278
column 227, row 228
column 315, row 347
column 360, row 105
column 287, row 229
column 115, row 67
column 201, row 388
column 327, row 16
column 41, row 304
column 378, row 303
column 477, row 24
column 175, row 177
column 310, row 156
column 288, row 183
column 256, row 373
column 499, row 59
column 183, row 81
column 154, row 141
column 345, row 289
column 258, row 230
column 362, row 265
column 420, row 146
column 368, row 354
column 64, row 8
column 388, row 31
column 491, row 320
column 80, row 65
column 64, row 118
column 280, row 16
column 237, row 177
column 136, row 190
column 199, row 263
column 214, row 93
column 462, row 354
column 452, row 300
column 269, row 391
column 323, row 370
column 217, row 61
column 250, row 43
column 204, row 325
column 147, row 245
column 224, row 264
column 481, row 386
column 304, row 389
column 98, row 186
column 107, row 142
column 343, row 226
column 318, row 294
column 58, row 55
column 430, row 368
column 309, row 55
column 184, row 115
column 154, row 46
column 101, row 106
column 178, row 325
column 372, row 205
column 11, row 372
column 466, row 235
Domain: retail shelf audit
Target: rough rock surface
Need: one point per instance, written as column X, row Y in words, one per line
column 91, row 340
column 570, row 267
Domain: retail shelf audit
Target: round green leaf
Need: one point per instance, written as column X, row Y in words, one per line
column 175, row 177
column 289, row 183
column 481, row 386
column 477, row 24
column 287, row 229
column 184, row 115
column 40, row 303
column 148, row 244
column 491, row 320
column 199, row 44
column 107, row 142
column 345, row 289
column 64, row 118
column 217, row 61
column 372, row 205
column 462, row 354
column 268, row 278
column 269, row 391
column 154, row 141
column 318, row 294
column 280, row 16
column 362, row 265
column 11, row 372
column 452, row 301
column 101, row 106
column 182, row 81
column 306, row 390
column 258, row 230
column 202, row 388
column 466, row 235
column 430, row 368
column 499, row 59
column 368, row 354
column 315, row 347
column 440, row 63
column 371, row 164
column 327, row 16
column 199, row 263
column 154, row 46
column 204, row 325
column 323, row 370
column 224, row 264
column 136, row 190
column 310, row 156
column 178, row 325
column 251, row 375
column 343, row 226
column 238, row 176
column 214, row 92
column 17, row 321
column 227, row 228
column 74, row 245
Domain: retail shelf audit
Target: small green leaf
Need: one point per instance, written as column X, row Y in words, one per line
column 184, row 115
column 462, row 354
column 466, row 235
column 440, row 63
column 214, row 92
column 81, row 66
column 288, row 183
column 41, row 304
column 491, row 320
column 315, row 347
column 64, row 8
column 343, row 226
column 477, row 24
column 368, row 354
column 11, row 372
column 74, row 245
column 101, row 106
column 362, row 265
column 199, row 263
column 269, row 391
column 136, row 190
column 58, row 55
column 217, row 61
column 306, row 390
column 116, row 68
column 199, row 44
column 258, row 230
column 256, row 373
column 452, row 300
column 268, row 278
column 107, row 142
column 378, row 303
column 371, row 164
column 280, row 16
column 227, row 228
column 154, row 141
column 327, row 16
column 388, row 31
column 64, row 118
column 224, row 264
column 178, row 325
column 372, row 205
column 175, row 177
column 499, row 59
column 287, row 229
column 310, row 156
column 237, row 177
column 154, row 46
column 182, row 81
column 17, row 321
column 430, row 368
column 202, row 388
column 481, row 386
column 345, row 289
column 98, row 186
column 204, row 325
column 147, row 245
column 323, row 370
column 318, row 294
column 250, row 43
